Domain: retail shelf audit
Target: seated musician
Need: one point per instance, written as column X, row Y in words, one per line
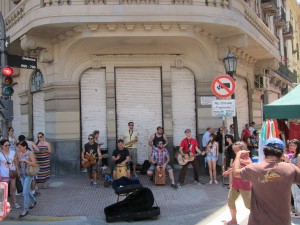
column 159, row 160
column 121, row 158
column 91, row 154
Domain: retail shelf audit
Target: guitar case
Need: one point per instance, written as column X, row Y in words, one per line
column 137, row 205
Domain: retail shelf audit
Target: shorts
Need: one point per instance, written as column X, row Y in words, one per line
column 93, row 168
column 133, row 155
column 153, row 166
column 211, row 158
column 127, row 166
column 233, row 194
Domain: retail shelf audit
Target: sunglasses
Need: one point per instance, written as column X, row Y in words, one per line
column 6, row 145
column 131, row 125
column 40, row 136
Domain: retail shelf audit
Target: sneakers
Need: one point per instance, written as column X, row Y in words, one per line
column 135, row 175
column 179, row 185
column 16, row 206
column 216, row 182
column 174, row 186
column 210, row 182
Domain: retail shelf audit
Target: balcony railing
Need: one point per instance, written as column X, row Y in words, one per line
column 280, row 19
column 284, row 72
column 269, row 7
column 287, row 31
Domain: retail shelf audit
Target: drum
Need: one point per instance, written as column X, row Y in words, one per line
column 160, row 177
column 121, row 171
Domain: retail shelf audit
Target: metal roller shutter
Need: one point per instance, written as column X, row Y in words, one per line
column 183, row 103
column 138, row 96
column 38, row 114
column 16, row 122
column 242, row 103
column 93, row 104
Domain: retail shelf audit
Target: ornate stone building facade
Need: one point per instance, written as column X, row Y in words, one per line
column 103, row 63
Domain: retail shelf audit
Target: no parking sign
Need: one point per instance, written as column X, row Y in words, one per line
column 223, row 86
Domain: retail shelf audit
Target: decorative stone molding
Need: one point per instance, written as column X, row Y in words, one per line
column 96, row 62
column 178, row 61
column 236, row 41
column 15, row 16
column 34, row 47
column 272, row 64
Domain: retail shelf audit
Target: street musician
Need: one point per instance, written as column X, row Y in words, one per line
column 130, row 139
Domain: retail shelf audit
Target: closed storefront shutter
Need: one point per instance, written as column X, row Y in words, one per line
column 16, row 122
column 272, row 96
column 138, row 96
column 93, row 104
column 242, row 102
column 183, row 103
column 38, row 114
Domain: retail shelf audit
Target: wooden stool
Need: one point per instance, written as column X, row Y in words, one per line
column 160, row 177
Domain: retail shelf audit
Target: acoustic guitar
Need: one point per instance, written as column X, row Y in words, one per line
column 92, row 160
column 182, row 160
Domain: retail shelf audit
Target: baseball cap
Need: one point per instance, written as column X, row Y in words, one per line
column 275, row 143
column 187, row 130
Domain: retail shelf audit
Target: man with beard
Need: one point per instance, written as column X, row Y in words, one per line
column 159, row 160
column 157, row 137
column 121, row 158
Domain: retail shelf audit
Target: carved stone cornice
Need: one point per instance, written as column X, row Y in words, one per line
column 236, row 41
column 272, row 64
column 38, row 48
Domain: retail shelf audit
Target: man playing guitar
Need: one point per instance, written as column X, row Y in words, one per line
column 189, row 146
column 90, row 155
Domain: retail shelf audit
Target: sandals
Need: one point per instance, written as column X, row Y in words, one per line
column 294, row 215
column 230, row 223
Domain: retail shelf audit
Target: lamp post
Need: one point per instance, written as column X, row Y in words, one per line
column 230, row 64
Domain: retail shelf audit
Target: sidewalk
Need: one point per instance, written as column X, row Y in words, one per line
column 71, row 199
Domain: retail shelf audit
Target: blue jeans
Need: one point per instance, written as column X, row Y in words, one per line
column 26, row 182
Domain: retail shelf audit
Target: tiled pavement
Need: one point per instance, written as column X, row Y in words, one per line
column 73, row 196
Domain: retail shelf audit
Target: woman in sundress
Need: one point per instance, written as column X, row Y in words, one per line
column 43, row 159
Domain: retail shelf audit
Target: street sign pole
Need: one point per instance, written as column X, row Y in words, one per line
column 5, row 123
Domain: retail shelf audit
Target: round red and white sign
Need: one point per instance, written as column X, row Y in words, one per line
column 223, row 86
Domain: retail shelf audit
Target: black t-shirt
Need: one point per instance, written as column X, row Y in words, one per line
column 91, row 149
column 229, row 155
column 123, row 153
column 158, row 139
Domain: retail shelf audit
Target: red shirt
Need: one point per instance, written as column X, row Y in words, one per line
column 189, row 145
column 239, row 183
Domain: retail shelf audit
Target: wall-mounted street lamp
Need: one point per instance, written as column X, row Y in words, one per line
column 230, row 64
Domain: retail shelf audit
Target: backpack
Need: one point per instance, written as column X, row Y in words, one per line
column 146, row 165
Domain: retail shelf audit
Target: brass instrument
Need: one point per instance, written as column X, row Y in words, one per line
column 129, row 144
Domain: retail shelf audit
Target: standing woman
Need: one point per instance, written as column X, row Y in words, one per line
column 43, row 159
column 8, row 161
column 25, row 158
column 212, row 151
column 294, row 148
column 12, row 139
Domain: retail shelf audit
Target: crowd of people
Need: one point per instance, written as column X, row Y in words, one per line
column 264, row 186
column 15, row 158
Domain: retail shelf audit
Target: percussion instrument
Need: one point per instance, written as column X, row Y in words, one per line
column 160, row 177
column 121, row 171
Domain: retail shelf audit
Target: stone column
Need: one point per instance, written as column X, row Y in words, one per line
column 62, row 108
column 111, row 108
column 167, row 108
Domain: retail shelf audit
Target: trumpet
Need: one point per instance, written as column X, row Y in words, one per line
column 129, row 144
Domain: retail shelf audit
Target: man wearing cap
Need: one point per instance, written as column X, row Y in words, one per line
column 271, row 185
column 157, row 137
column 189, row 146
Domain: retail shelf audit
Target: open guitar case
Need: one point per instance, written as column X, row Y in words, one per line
column 137, row 205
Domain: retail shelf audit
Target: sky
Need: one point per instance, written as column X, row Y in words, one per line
column 298, row 1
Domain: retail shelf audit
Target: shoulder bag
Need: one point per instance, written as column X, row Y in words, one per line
column 32, row 170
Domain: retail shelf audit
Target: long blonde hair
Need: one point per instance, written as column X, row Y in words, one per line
column 241, row 144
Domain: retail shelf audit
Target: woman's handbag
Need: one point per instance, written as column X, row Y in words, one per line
column 19, row 186
column 33, row 170
column 13, row 173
